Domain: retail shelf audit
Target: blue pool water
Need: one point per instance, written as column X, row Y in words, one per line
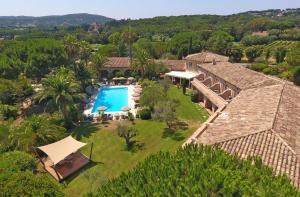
column 113, row 98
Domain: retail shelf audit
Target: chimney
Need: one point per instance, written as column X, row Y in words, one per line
column 214, row 62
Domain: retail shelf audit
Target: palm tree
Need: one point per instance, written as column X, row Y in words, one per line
column 35, row 131
column 85, row 52
column 129, row 37
column 71, row 47
column 141, row 61
column 62, row 91
column 98, row 62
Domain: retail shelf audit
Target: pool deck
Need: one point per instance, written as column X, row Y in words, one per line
column 131, row 102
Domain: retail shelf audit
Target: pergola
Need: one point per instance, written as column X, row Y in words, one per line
column 62, row 158
column 182, row 75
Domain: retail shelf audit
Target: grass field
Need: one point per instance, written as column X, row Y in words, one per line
column 110, row 156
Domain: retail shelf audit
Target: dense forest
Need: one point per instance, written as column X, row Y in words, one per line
column 44, row 71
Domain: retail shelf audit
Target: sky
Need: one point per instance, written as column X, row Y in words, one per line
column 135, row 9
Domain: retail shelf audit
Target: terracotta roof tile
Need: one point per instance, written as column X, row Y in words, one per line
column 252, row 111
column 239, row 76
column 118, row 62
column 174, row 65
column 207, row 57
column 287, row 123
column 271, row 148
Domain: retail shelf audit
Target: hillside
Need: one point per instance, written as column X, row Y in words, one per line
column 55, row 20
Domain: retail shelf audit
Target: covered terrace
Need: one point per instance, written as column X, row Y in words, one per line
column 62, row 158
column 178, row 76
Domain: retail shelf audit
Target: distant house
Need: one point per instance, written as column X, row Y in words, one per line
column 260, row 33
column 117, row 64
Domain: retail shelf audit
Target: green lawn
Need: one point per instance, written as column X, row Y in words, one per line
column 110, row 157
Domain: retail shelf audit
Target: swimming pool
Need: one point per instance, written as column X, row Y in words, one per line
column 113, row 98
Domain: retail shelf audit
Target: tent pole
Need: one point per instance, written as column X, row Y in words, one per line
column 39, row 156
column 91, row 151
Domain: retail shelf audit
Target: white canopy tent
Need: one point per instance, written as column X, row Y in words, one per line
column 182, row 75
column 58, row 151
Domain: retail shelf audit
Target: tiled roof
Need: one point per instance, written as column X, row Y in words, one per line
column 239, row 76
column 249, row 112
column 174, row 65
column 207, row 57
column 271, row 148
column 118, row 62
column 124, row 62
column 287, row 122
column 262, row 121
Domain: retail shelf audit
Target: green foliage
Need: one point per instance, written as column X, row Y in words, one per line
column 35, row 58
column 253, row 52
column 151, row 95
column 259, row 67
column 13, row 91
column 198, row 171
column 119, row 74
column 4, row 133
column 109, row 50
column 293, row 56
column 17, row 161
column 35, row 131
column 17, row 178
column 235, row 53
column 28, row 184
column 297, row 76
column 220, row 42
column 195, row 95
column 8, row 112
column 127, row 133
column 145, row 114
column 280, row 54
column 141, row 61
column 61, row 91
column 166, row 111
column 257, row 40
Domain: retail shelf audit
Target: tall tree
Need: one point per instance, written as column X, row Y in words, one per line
column 98, row 62
column 141, row 61
column 35, row 131
column 71, row 47
column 129, row 37
column 62, row 91
column 85, row 52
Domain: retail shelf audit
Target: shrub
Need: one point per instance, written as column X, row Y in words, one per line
column 130, row 117
column 8, row 112
column 297, row 76
column 270, row 71
column 253, row 52
column 145, row 114
column 199, row 171
column 17, row 161
column 194, row 96
column 28, row 184
column 259, row 67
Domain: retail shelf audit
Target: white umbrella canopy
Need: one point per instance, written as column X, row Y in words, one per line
column 136, row 99
column 131, row 79
column 136, row 95
column 126, row 109
column 102, row 108
column 137, row 90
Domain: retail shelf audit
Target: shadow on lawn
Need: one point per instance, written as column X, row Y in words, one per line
column 92, row 164
column 135, row 146
column 173, row 134
column 85, row 130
